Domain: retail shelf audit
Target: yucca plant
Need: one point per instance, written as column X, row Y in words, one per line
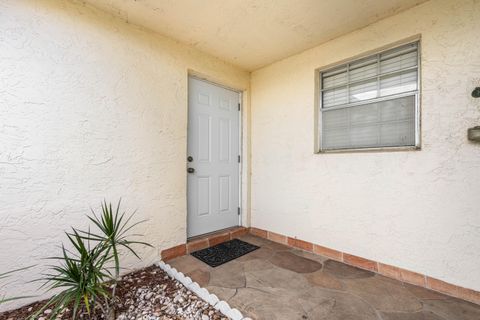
column 5, row 275
column 82, row 276
column 85, row 271
column 114, row 227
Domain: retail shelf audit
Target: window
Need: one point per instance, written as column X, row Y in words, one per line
column 371, row 102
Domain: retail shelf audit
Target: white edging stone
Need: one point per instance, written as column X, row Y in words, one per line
column 203, row 293
column 213, row 299
column 235, row 314
column 223, row 307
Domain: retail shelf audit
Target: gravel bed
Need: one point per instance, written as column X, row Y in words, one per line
column 147, row 294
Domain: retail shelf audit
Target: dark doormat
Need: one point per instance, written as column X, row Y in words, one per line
column 224, row 252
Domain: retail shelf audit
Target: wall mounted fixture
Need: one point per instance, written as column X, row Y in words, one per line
column 476, row 92
column 474, row 134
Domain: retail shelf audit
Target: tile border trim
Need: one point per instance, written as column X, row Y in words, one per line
column 383, row 269
column 202, row 293
column 202, row 242
column 393, row 272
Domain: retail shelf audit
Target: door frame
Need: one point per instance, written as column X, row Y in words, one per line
column 197, row 76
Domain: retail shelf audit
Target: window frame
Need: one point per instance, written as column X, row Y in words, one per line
column 417, row 94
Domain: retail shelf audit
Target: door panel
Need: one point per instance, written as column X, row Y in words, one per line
column 213, row 144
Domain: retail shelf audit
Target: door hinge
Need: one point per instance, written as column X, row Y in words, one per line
column 239, row 106
column 238, row 210
column 239, row 159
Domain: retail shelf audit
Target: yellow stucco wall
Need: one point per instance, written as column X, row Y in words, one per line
column 91, row 107
column 418, row 210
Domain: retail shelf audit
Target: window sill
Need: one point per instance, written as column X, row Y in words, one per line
column 371, row 150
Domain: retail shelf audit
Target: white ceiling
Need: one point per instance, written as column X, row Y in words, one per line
column 253, row 33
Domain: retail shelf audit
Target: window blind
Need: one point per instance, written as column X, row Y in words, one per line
column 371, row 102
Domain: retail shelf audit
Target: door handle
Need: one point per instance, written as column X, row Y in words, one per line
column 190, row 170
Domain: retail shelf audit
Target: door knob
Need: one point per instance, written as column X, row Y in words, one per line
column 190, row 159
column 190, row 170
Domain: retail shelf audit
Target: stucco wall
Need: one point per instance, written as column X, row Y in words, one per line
column 418, row 210
column 91, row 107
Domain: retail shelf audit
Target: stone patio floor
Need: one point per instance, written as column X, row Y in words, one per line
column 278, row 282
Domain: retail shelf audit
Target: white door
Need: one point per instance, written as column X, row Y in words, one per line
column 212, row 157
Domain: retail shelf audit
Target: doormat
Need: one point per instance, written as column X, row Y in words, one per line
column 224, row 252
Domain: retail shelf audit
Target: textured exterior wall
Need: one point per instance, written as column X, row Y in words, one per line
column 418, row 210
column 91, row 107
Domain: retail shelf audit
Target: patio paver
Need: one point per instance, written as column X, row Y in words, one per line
column 277, row 282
